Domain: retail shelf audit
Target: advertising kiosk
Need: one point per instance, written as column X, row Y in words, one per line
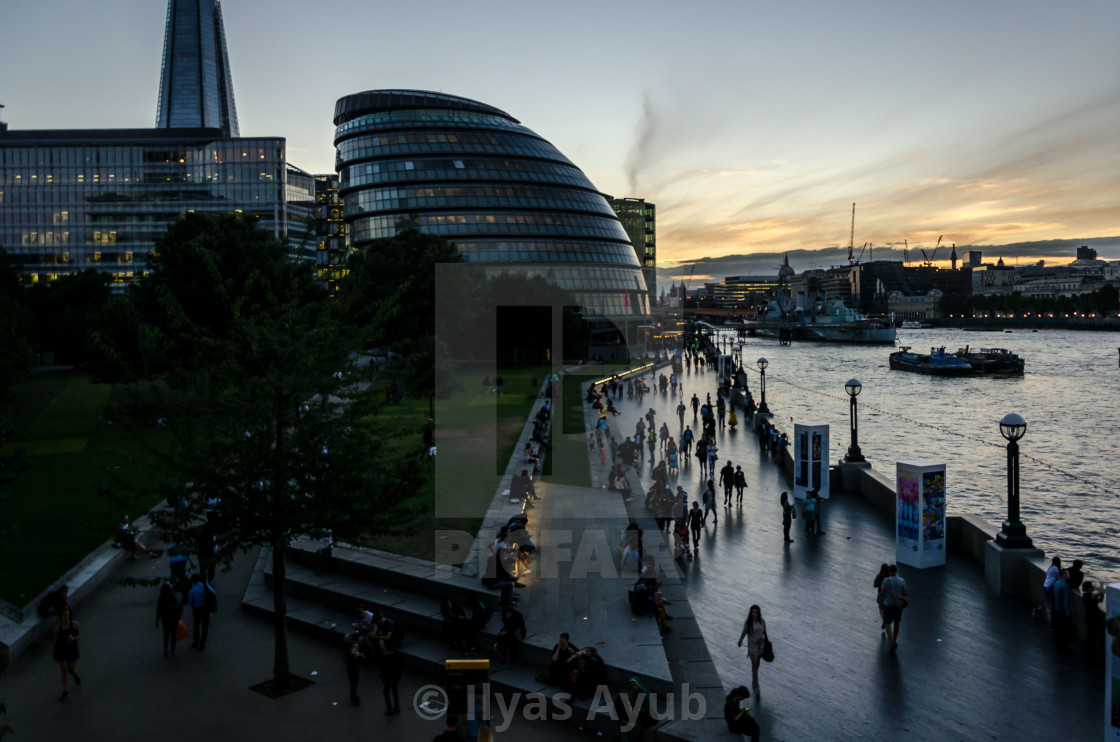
column 920, row 514
column 810, row 460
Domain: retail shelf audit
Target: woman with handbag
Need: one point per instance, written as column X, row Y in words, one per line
column 169, row 612
column 754, row 630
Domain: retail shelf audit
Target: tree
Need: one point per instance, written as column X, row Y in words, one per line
column 14, row 358
column 271, row 444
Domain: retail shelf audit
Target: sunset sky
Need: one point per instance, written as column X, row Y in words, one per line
column 753, row 126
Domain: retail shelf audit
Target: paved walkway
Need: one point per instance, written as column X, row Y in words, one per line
column 132, row 693
column 969, row 666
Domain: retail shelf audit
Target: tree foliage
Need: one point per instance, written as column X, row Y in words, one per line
column 248, row 346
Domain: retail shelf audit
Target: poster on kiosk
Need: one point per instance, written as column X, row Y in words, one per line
column 920, row 514
column 810, row 460
column 1112, row 664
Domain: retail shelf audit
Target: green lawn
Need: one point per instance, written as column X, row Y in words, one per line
column 475, row 433
column 90, row 453
column 85, row 468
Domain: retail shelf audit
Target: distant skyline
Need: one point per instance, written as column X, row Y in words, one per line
column 753, row 126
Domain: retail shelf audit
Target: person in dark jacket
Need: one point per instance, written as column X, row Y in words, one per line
column 168, row 612
column 510, row 635
column 392, row 668
column 353, row 669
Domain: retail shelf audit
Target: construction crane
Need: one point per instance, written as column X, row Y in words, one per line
column 933, row 255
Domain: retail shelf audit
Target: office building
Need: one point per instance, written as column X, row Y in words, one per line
column 195, row 84
column 639, row 219
column 473, row 174
column 76, row 199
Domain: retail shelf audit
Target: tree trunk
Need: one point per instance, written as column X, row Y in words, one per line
column 280, row 665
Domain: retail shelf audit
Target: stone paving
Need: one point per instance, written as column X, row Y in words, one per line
column 969, row 665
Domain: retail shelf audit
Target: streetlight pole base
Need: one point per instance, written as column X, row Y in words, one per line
column 855, row 456
column 1014, row 536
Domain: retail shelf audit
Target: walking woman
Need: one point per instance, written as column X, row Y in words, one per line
column 168, row 612
column 67, row 632
column 884, row 573
column 754, row 630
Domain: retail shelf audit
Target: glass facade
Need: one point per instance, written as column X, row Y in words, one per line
column 195, row 85
column 507, row 199
column 639, row 219
column 72, row 200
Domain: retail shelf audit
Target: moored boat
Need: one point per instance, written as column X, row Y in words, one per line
column 936, row 363
column 992, row 360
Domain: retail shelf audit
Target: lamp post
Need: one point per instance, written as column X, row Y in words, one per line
column 762, row 408
column 853, row 388
column 1014, row 533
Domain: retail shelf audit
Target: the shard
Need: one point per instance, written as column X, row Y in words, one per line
column 195, row 87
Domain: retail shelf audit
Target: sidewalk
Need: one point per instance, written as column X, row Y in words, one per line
column 132, row 693
column 969, row 665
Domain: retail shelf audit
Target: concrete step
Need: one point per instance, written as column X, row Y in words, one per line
column 332, row 600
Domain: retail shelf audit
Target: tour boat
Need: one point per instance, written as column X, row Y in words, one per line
column 936, row 363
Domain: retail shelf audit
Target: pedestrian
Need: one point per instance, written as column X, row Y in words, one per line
column 721, row 410
column 789, row 512
column 1061, row 617
column 680, row 412
column 169, row 611
column 895, row 599
column 709, row 499
column 1043, row 608
column 727, row 479
column 203, row 601
column 67, row 632
column 713, row 456
column 663, row 435
column 651, row 441
column 353, row 669
column 695, row 406
column 740, row 485
column 686, row 441
column 695, row 523
column 392, row 669
column 884, row 573
column 754, row 631
column 737, row 716
column 1076, row 576
column 809, row 510
column 637, row 715
column 1094, row 622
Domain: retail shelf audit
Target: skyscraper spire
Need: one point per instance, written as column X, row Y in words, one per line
column 195, row 87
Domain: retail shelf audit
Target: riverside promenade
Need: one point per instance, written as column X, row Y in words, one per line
column 969, row 665
column 993, row 674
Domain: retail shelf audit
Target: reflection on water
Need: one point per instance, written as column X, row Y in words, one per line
column 1068, row 397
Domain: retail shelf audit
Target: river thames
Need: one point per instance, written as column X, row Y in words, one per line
column 1070, row 479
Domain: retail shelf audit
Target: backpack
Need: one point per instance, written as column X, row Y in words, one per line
column 211, row 599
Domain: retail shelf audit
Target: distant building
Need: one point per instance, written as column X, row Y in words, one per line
column 923, row 307
column 195, row 84
column 77, row 199
column 331, row 248
column 639, row 219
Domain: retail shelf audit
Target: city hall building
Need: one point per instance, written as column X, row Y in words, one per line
column 473, row 174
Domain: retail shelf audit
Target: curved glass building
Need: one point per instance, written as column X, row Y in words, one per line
column 473, row 174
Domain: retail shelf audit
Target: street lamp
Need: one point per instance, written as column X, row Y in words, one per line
column 1014, row 533
column 762, row 408
column 853, row 388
